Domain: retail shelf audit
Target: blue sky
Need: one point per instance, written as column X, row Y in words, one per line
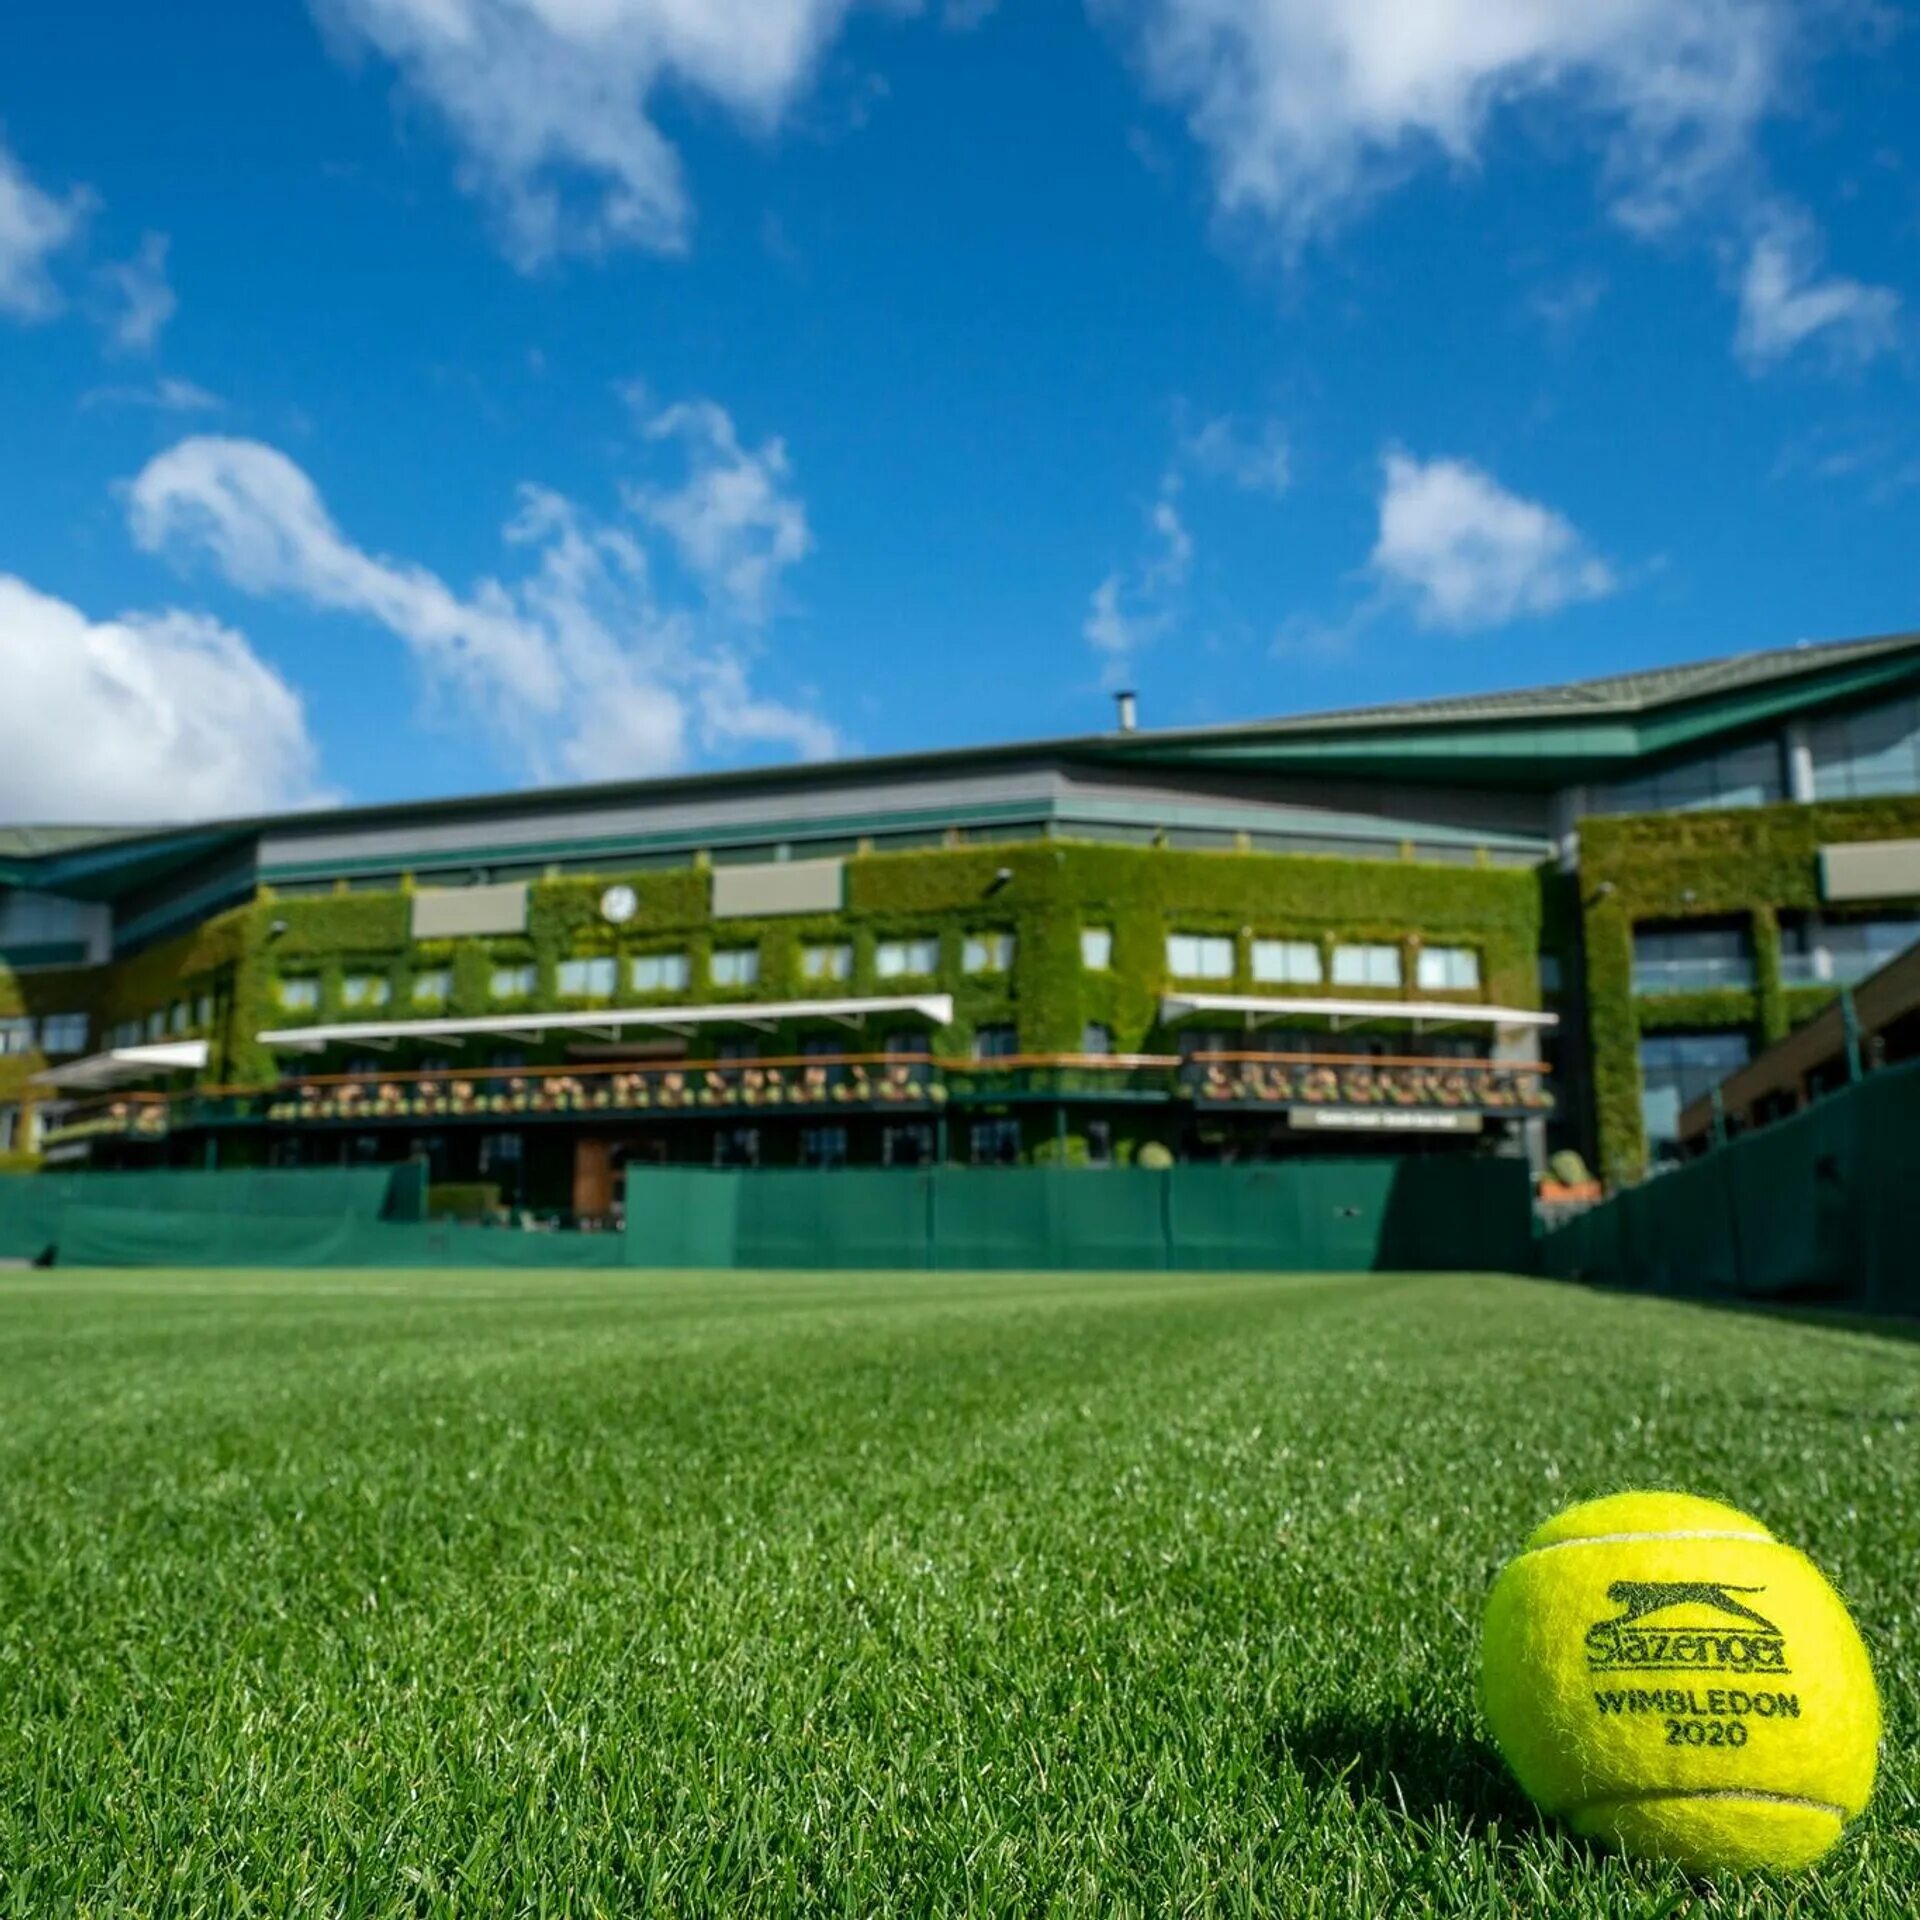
column 422, row 396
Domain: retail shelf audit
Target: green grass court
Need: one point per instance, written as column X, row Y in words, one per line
column 366, row 1594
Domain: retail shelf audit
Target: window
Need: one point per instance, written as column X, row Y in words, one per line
column 1675, row 1070
column 594, row 979
column 733, row 1052
column 1690, row 956
column 906, row 1146
column 736, row 1147
column 1373, row 966
column 909, row 1043
column 1747, row 776
column 1550, row 973
column 897, row 959
column 1096, row 949
column 1873, row 751
column 365, row 990
column 987, row 953
column 1096, row 1038
column 995, row 1043
column 16, row 1036
column 203, row 1012
column 64, row 1033
column 1287, row 963
column 507, row 1060
column 1200, row 956
column 179, row 1017
column 156, row 1027
column 433, row 987
column 1448, row 969
column 830, row 961
column 518, row 981
column 1099, row 1143
column 662, row 973
column 823, row 1146
column 734, row 967
column 299, row 995
column 994, row 1143
column 1205, row 1040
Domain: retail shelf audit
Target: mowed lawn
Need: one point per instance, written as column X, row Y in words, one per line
column 480, row 1595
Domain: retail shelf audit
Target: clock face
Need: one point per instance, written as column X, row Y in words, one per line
column 619, row 904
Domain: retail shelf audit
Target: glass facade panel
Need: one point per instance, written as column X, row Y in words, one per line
column 830, row 961
column 63, row 1033
column 1675, row 1070
column 1374, row 966
column 987, row 953
column 1874, row 750
column 433, row 987
column 1096, row 948
column 1200, row 956
column 360, row 990
column 1753, row 775
column 1287, row 963
column 735, row 967
column 1448, row 969
column 595, row 978
column 996, row 1042
column 299, row 994
column 1096, row 1038
column 662, row 973
column 994, row 1143
column 1693, row 956
column 516, row 982
column 903, row 959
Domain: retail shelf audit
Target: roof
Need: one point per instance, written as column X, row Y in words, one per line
column 1539, row 739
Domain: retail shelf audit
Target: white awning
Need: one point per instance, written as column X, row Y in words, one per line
column 1421, row 1013
column 123, row 1066
column 935, row 1008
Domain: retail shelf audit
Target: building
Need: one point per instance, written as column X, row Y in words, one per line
column 1508, row 924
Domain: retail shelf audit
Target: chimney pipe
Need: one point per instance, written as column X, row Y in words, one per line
column 1129, row 710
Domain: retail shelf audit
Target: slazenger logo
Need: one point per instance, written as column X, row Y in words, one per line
column 1640, row 1639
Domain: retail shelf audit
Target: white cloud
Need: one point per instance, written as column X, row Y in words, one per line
column 552, row 101
column 165, row 716
column 1132, row 608
column 734, row 519
column 166, row 395
column 34, row 226
column 137, row 297
column 1256, row 459
column 1470, row 554
column 580, row 667
column 1786, row 305
column 1309, row 109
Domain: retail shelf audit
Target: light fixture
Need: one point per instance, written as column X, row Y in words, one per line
column 1002, row 877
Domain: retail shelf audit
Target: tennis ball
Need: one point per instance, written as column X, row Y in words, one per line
column 1664, row 1675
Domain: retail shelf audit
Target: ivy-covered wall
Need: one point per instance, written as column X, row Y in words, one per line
column 1050, row 892
column 1754, row 863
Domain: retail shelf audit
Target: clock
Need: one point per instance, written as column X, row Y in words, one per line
column 618, row 905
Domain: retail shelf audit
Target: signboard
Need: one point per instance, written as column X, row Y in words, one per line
column 1384, row 1120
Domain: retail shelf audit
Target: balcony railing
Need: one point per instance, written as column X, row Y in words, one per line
column 1350, row 1080
column 1694, row 976
column 127, row 1116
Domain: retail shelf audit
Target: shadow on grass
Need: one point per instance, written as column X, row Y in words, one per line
column 1425, row 1773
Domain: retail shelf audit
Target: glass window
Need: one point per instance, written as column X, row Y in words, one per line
column 996, row 1042
column 1676, row 1069
column 520, row 981
column 910, row 1145
column 203, row 1012
column 898, row 959
column 64, row 1033
column 832, row 960
column 1370, row 966
column 994, row 1143
column 1550, row 974
column 1448, row 969
column 365, row 990
column 987, row 953
column 1096, row 1038
column 1861, row 947
column 1873, row 751
column 299, row 994
column 1692, row 956
column 433, row 987
column 1290, row 963
column 179, row 1017
column 596, row 978
column 1100, row 1143
column 733, row 1052
column 1096, row 948
column 1751, row 775
column 662, row 973
column 734, row 967
column 909, row 1043
column 1200, row 956
column 823, row 1146
column 16, row 1035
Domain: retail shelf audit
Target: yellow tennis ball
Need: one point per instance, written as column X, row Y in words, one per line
column 1664, row 1675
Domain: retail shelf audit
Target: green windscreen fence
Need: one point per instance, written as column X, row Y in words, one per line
column 1823, row 1207
column 1302, row 1216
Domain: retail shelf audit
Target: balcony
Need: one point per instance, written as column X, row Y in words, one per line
column 129, row 1116
column 1703, row 975
column 1361, row 1084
